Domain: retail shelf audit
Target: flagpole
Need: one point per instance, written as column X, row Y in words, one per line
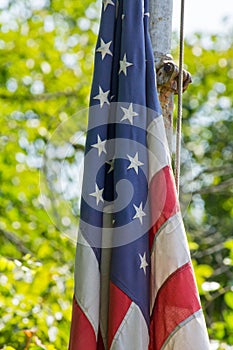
column 161, row 34
column 161, row 27
column 166, row 70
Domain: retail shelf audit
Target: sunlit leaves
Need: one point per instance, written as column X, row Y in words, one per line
column 45, row 76
column 207, row 130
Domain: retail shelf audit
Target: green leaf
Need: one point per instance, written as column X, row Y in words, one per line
column 228, row 297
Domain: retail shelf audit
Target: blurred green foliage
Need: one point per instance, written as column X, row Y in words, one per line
column 208, row 147
column 46, row 66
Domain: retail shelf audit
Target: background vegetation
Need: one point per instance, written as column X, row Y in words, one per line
column 46, row 60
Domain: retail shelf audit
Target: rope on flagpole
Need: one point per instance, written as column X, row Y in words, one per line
column 180, row 100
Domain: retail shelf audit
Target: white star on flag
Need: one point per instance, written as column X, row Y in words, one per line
column 111, row 163
column 98, row 194
column 100, row 145
column 108, row 2
column 129, row 113
column 144, row 263
column 139, row 212
column 134, row 162
column 124, row 65
column 102, row 97
column 104, row 48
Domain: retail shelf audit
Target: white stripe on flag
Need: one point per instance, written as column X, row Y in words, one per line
column 87, row 282
column 159, row 155
column 170, row 251
column 133, row 331
column 191, row 335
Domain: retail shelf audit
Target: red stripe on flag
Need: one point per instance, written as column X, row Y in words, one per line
column 163, row 199
column 118, row 307
column 82, row 335
column 175, row 302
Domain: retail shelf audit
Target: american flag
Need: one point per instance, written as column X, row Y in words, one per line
column 134, row 282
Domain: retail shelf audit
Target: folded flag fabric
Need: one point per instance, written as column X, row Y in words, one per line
column 134, row 282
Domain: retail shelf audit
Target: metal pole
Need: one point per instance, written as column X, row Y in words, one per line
column 180, row 100
column 161, row 34
column 161, row 27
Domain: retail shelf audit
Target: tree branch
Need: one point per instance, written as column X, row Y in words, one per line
column 221, row 187
column 216, row 248
column 16, row 241
column 225, row 170
column 40, row 97
column 215, row 295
